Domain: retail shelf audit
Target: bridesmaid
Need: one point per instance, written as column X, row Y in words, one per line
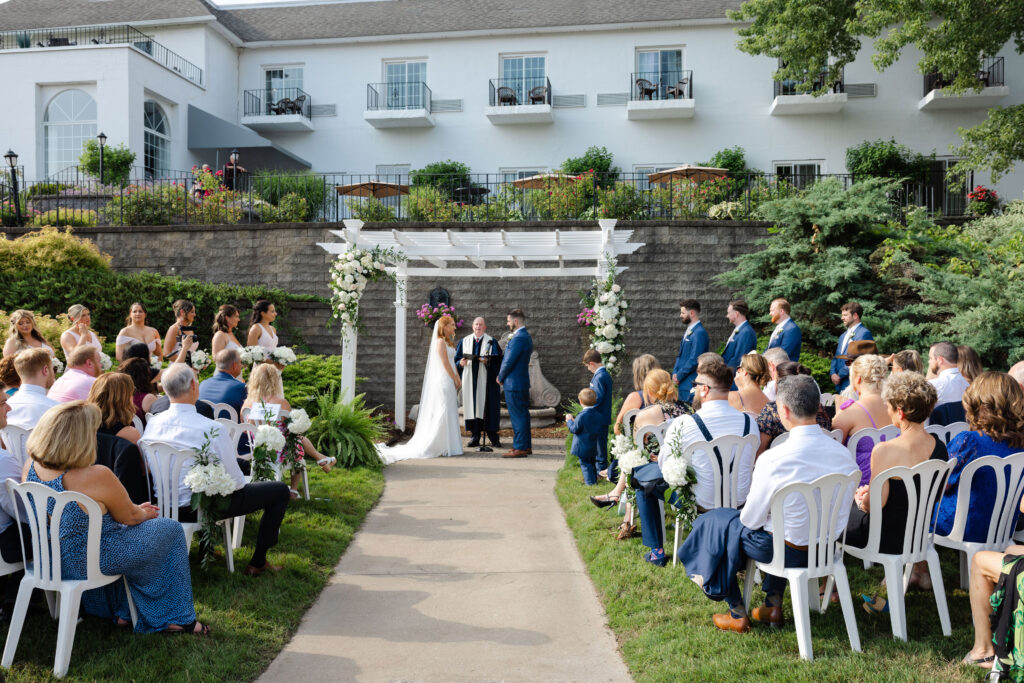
column 224, row 329
column 80, row 333
column 260, row 331
column 184, row 316
column 23, row 334
column 136, row 330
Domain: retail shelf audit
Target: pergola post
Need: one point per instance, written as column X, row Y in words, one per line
column 607, row 246
column 348, row 332
column 402, row 279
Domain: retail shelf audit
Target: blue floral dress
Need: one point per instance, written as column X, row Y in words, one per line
column 152, row 555
column 965, row 448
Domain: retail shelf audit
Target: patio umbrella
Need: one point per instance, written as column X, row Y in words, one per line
column 543, row 180
column 688, row 172
column 373, row 188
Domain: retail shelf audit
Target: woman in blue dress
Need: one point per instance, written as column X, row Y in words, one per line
column 994, row 404
column 149, row 551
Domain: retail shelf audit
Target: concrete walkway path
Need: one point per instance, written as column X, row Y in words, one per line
column 465, row 571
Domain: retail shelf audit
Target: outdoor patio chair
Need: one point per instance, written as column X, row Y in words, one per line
column 627, row 421
column 282, row 106
column 678, row 91
column 886, row 433
column 219, row 408
column 646, row 89
column 947, row 432
column 295, row 106
column 539, row 94
column 507, row 96
column 15, row 439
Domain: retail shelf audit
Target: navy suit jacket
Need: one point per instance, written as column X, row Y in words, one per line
column 789, row 339
column 514, row 373
column 838, row 366
column 743, row 342
column 586, row 428
column 685, row 368
column 223, row 388
column 602, row 386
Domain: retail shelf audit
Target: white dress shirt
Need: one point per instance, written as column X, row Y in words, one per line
column 846, row 339
column 771, row 390
column 721, row 419
column 950, row 385
column 806, row 455
column 10, row 468
column 182, row 427
column 778, row 330
column 28, row 405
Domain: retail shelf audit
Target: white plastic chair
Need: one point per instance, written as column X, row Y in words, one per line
column 825, row 498
column 1005, row 502
column 627, row 421
column 828, row 400
column 727, row 470
column 947, row 432
column 886, row 433
column 44, row 571
column 257, row 418
column 639, row 437
column 834, row 434
column 137, row 423
column 924, row 483
column 219, row 408
column 165, row 466
column 15, row 439
column 235, row 430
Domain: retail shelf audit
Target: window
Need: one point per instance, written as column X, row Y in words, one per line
column 937, row 195
column 69, row 121
column 404, row 82
column 156, row 139
column 393, row 173
column 640, row 174
column 278, row 80
column 662, row 67
column 522, row 73
column 801, row 174
column 510, row 174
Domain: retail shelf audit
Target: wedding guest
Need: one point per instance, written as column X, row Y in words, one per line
column 642, row 364
column 223, row 386
column 182, row 427
column 587, row 430
column 969, row 362
column 602, row 386
column 743, row 339
column 1017, row 372
column 184, row 316
column 79, row 334
column 112, row 394
column 751, row 378
column 850, row 314
column 144, row 391
column 9, row 376
column 943, row 360
column 137, row 330
column 786, row 334
column 908, row 360
column 773, row 357
column 11, row 548
column 83, row 369
column 224, row 329
column 867, row 374
column 261, row 332
column 987, row 568
column 769, row 422
column 994, row 406
column 147, row 550
column 23, row 335
column 694, row 343
column 30, row 402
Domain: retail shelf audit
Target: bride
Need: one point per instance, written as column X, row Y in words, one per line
column 437, row 425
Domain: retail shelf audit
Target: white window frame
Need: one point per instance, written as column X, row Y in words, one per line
column 50, row 129
column 820, row 163
column 165, row 148
column 520, row 172
column 643, row 183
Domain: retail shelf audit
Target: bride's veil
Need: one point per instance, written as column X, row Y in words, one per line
column 432, row 367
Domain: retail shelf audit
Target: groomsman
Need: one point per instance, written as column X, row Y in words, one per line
column 743, row 339
column 850, row 314
column 786, row 335
column 514, row 377
column 694, row 343
column 479, row 356
column 602, row 386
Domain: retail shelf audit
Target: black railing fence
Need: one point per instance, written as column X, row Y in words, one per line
column 661, row 85
column 147, row 197
column 821, row 80
column 101, row 35
column 276, row 102
column 515, row 91
column 990, row 74
column 398, row 95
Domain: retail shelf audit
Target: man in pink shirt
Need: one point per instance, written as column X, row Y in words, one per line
column 83, row 367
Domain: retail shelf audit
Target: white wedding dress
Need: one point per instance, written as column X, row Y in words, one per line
column 437, row 425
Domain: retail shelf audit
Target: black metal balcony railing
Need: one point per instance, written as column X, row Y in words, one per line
column 276, row 102
column 661, row 85
column 507, row 92
column 398, row 95
column 101, row 35
column 990, row 74
column 821, row 80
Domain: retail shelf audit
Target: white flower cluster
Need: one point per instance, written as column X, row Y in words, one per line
column 269, row 436
column 620, row 444
column 283, row 355
column 299, row 422
column 633, row 458
column 674, row 471
column 253, row 354
column 156, row 363
column 58, row 367
column 200, row 359
column 350, row 273
column 105, row 362
column 211, row 479
column 609, row 328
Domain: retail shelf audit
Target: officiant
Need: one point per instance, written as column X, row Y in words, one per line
column 479, row 356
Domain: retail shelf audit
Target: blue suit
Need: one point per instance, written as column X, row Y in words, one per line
column 838, row 366
column 588, row 431
column 223, row 388
column 602, row 386
column 515, row 377
column 789, row 339
column 694, row 343
column 743, row 342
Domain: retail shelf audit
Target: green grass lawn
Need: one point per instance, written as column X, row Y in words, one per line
column 252, row 618
column 663, row 622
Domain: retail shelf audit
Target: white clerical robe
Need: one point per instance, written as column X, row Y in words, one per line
column 473, row 402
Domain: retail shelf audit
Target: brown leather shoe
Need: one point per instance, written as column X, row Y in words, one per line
column 515, row 454
column 257, row 571
column 768, row 615
column 727, row 622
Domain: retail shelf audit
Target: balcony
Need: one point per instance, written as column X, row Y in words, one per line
column 100, row 36
column 520, row 100
column 991, row 80
column 660, row 95
column 788, row 102
column 277, row 110
column 398, row 105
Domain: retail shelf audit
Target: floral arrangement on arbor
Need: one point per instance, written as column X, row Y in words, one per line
column 431, row 314
column 585, row 318
column 608, row 323
column 351, row 272
column 983, row 200
column 211, row 485
column 679, row 474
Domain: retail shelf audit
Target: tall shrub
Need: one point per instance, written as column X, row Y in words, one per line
column 117, row 162
column 275, row 185
column 886, row 159
column 597, row 160
column 446, row 176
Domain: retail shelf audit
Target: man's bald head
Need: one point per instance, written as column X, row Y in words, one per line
column 1017, row 372
column 479, row 326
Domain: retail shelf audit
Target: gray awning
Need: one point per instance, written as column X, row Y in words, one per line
column 207, row 132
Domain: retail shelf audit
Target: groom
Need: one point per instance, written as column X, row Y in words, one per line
column 478, row 355
column 514, row 376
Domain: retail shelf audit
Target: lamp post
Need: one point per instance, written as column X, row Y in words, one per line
column 102, row 138
column 233, row 158
column 12, row 162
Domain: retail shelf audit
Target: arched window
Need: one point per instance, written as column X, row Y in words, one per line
column 157, row 138
column 69, row 121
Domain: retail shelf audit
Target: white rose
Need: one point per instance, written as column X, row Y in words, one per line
column 604, row 347
column 622, row 320
column 616, row 289
column 299, row 422
column 105, row 362
column 609, row 331
column 603, row 297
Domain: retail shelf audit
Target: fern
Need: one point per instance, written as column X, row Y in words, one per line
column 346, row 430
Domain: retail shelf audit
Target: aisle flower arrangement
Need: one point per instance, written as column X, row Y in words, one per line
column 680, row 476
column 630, row 456
column 351, row 271
column 105, row 362
column 293, row 455
column 211, row 485
column 268, row 444
column 609, row 322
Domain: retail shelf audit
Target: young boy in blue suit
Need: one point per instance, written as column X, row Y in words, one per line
column 587, row 428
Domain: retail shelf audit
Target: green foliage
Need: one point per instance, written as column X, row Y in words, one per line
column 44, row 189
column 597, row 160
column 158, row 204
column 117, row 162
column 994, row 145
column 346, row 430
column 446, row 176
column 371, row 210
column 77, row 218
column 732, row 158
column 623, row 201
column 430, row 203
column 275, row 186
column 562, row 200
column 291, row 208
column 50, row 248
column 886, row 159
column 308, row 377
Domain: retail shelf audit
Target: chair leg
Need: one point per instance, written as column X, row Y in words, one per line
column 814, row 596
column 935, row 572
column 305, row 483
column 802, row 617
column 228, row 553
column 748, row 583
column 236, row 542
column 17, row 620
column 846, row 602
column 965, row 570
column 51, row 603
column 131, row 603
column 675, row 544
column 897, row 606
column 66, row 631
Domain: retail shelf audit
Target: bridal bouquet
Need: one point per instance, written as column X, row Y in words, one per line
column 608, row 322
column 211, row 485
column 267, row 446
column 156, row 363
column 58, row 367
column 283, row 355
column 253, row 354
column 200, row 359
column 679, row 475
column 351, row 272
column 105, row 362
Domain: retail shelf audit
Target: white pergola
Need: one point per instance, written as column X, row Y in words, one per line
column 455, row 254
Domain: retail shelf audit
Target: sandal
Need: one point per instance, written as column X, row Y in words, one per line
column 327, row 463
column 626, row 530
column 834, row 598
column 293, row 493
column 983, row 662
column 190, row 629
column 875, row 605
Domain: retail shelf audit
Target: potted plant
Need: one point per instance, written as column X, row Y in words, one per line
column 983, row 201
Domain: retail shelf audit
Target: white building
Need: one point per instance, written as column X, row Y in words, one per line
column 391, row 85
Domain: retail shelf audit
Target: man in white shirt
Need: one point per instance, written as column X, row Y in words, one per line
column 949, row 384
column 10, row 538
column 181, row 426
column 774, row 357
column 35, row 368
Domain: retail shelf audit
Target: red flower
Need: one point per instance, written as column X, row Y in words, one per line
column 220, row 173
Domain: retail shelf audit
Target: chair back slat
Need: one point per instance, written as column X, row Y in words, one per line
column 1008, row 473
column 875, row 435
column 15, row 439
column 924, row 484
column 218, row 408
column 947, row 432
column 657, row 431
column 825, row 499
column 165, row 465
column 235, row 431
column 725, row 454
column 627, row 421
